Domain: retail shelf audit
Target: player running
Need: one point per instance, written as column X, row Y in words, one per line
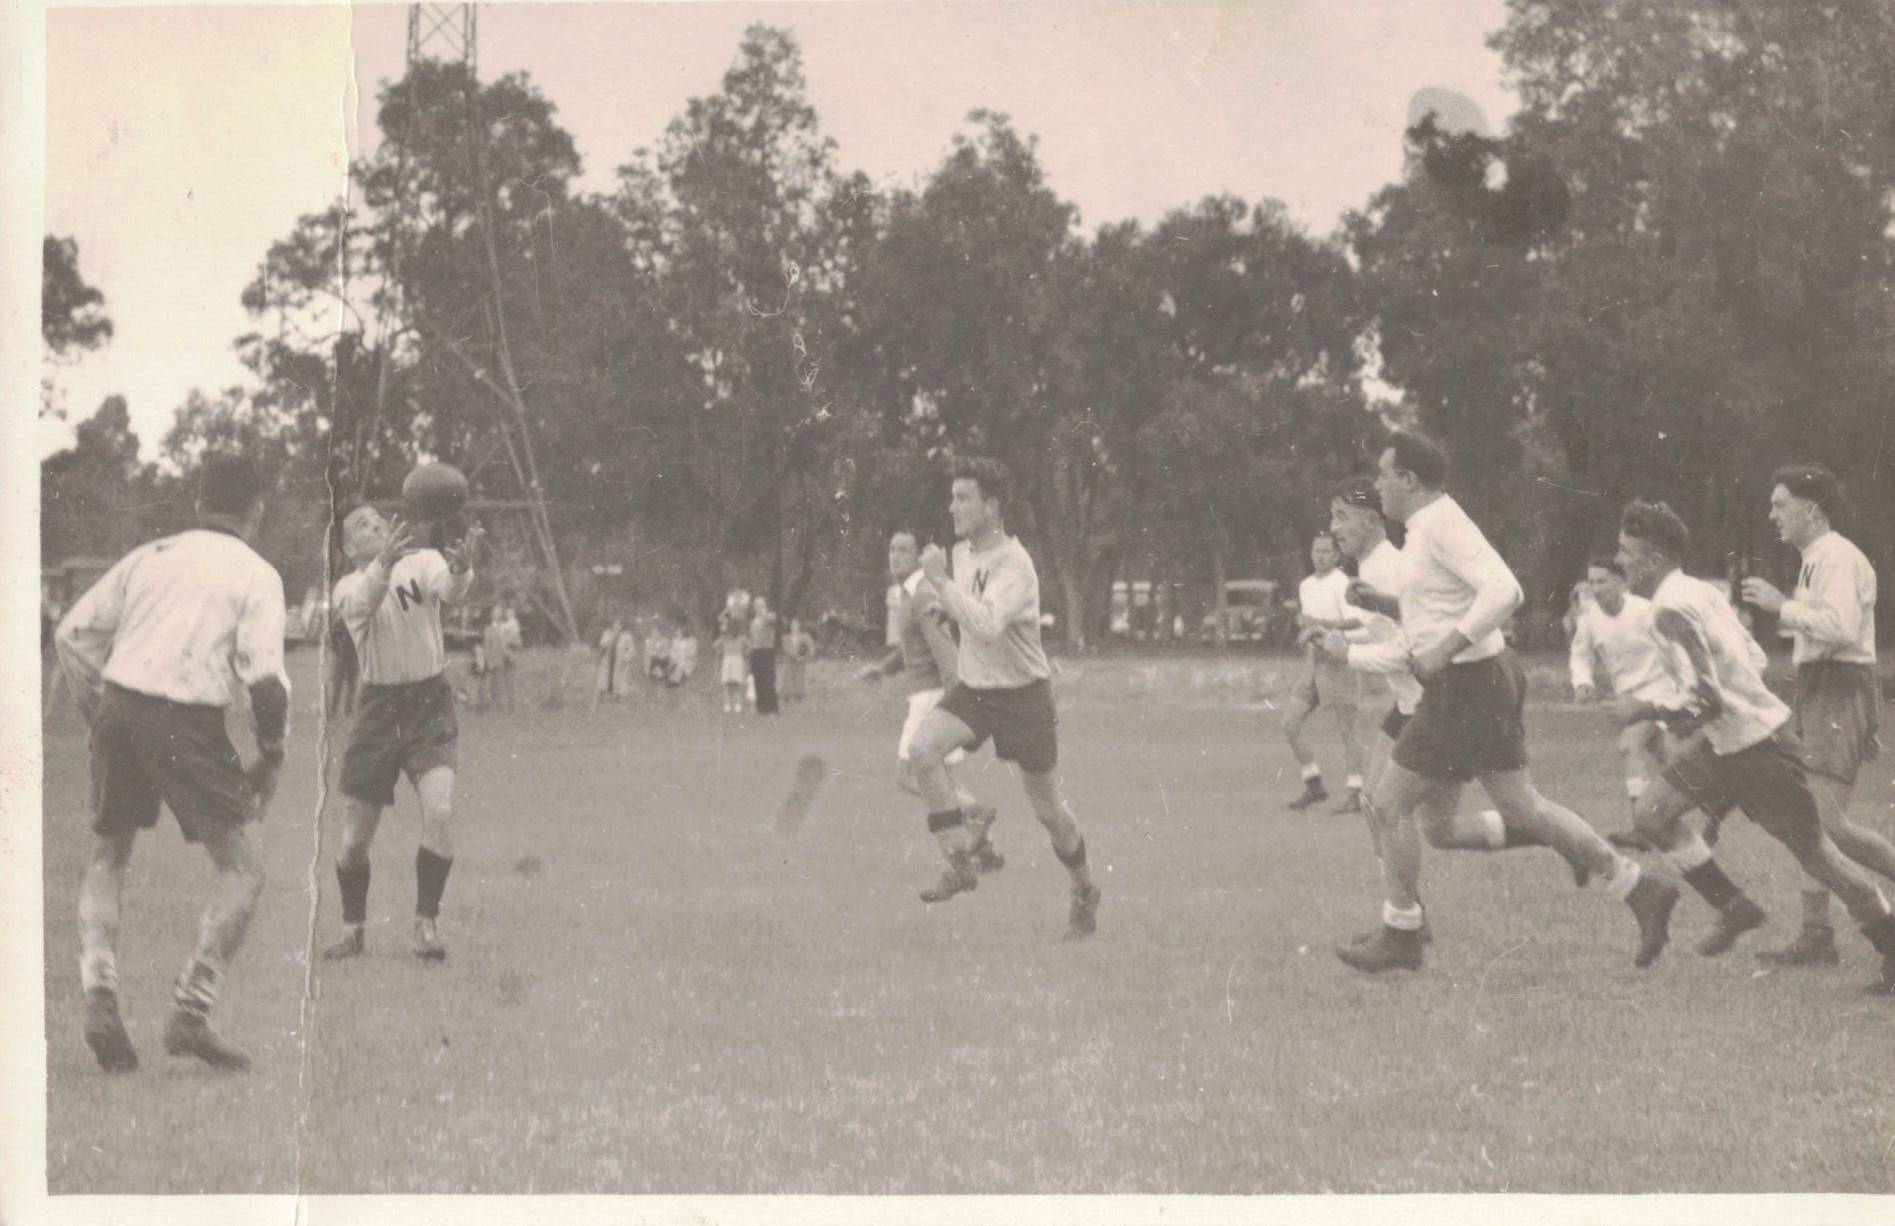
column 1831, row 618
column 1743, row 754
column 1328, row 684
column 392, row 606
column 1004, row 690
column 1470, row 723
column 1376, row 646
column 1615, row 631
column 155, row 651
column 925, row 656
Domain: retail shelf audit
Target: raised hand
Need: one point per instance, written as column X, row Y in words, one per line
column 460, row 557
column 401, row 542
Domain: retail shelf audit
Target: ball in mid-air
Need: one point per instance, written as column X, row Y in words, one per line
column 435, row 491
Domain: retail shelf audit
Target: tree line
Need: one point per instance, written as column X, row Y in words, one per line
column 745, row 364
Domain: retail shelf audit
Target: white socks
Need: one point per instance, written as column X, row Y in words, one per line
column 1405, row 919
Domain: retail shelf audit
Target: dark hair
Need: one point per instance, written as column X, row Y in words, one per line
column 1610, row 564
column 1418, row 454
column 1657, row 525
column 228, row 485
column 1358, row 492
column 1814, row 482
column 991, row 475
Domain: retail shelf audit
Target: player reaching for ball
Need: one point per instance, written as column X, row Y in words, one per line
column 1005, row 689
column 405, row 724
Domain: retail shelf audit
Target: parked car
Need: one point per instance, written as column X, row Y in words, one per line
column 1250, row 612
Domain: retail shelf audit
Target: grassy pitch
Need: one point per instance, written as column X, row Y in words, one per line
column 649, row 990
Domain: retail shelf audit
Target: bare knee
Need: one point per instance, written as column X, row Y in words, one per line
column 114, row 852
column 923, row 758
column 357, row 833
column 235, row 853
column 1656, row 812
column 1046, row 800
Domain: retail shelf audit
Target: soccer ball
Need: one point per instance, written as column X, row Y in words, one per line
column 435, row 491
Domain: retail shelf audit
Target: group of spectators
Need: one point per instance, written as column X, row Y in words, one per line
column 668, row 646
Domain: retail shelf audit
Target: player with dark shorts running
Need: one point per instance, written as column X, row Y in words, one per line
column 1470, row 725
column 1838, row 706
column 406, row 724
column 155, row 652
column 1742, row 753
column 1004, row 692
column 925, row 657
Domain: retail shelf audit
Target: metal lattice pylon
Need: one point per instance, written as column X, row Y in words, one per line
column 447, row 33
column 442, row 32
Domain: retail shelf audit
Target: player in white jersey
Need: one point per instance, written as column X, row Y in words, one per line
column 174, row 633
column 1831, row 620
column 1471, row 723
column 406, row 725
column 1614, row 635
column 1377, row 646
column 1744, row 752
column 1004, row 689
column 1327, row 684
column 924, row 655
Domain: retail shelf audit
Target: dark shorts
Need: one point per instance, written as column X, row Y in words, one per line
column 1394, row 722
column 148, row 750
column 1471, row 722
column 399, row 729
column 1021, row 721
column 1838, row 718
column 1768, row 781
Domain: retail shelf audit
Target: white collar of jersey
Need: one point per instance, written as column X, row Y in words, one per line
column 1435, row 507
column 1675, row 578
column 1813, row 545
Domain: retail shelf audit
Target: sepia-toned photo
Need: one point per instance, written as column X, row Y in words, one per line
column 962, row 600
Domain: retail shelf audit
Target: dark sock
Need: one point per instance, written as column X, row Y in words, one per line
column 1712, row 885
column 354, row 883
column 430, row 881
column 946, row 819
column 1523, row 838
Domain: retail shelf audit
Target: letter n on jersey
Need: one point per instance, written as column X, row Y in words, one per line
column 410, row 595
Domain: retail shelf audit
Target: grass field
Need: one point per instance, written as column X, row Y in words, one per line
column 650, row 991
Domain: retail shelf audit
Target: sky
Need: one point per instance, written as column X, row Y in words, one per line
column 181, row 141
